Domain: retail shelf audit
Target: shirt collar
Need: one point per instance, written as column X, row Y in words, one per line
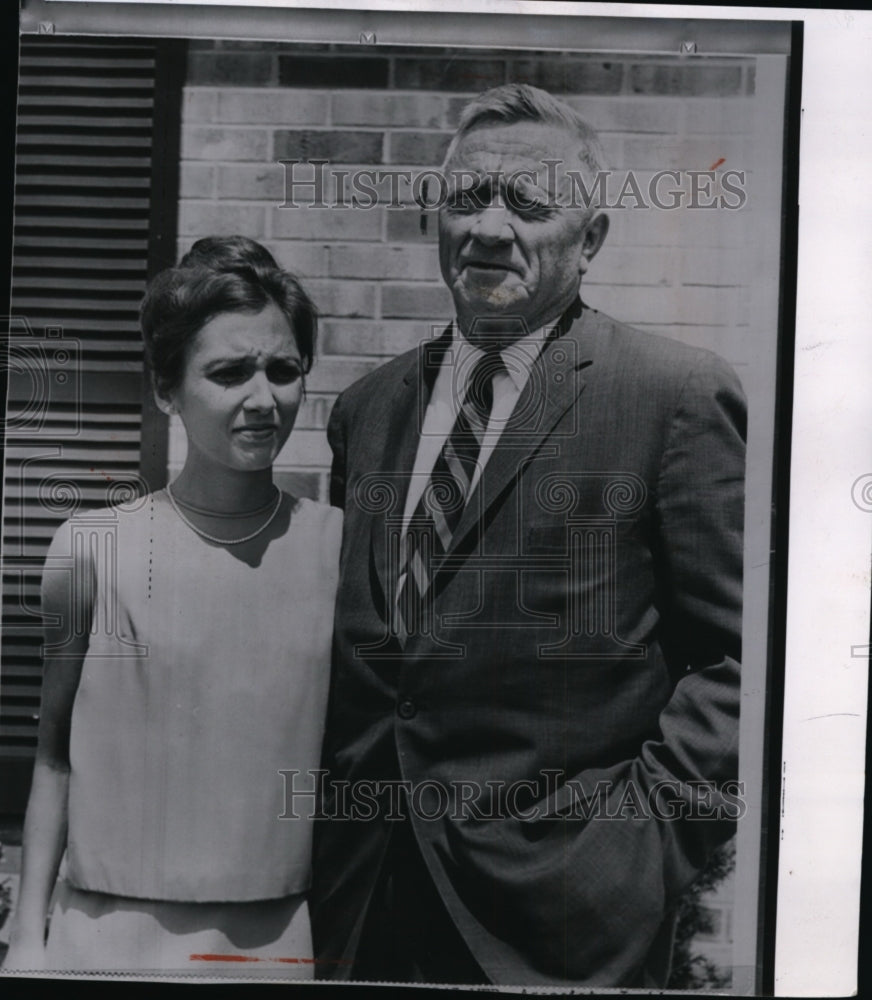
column 519, row 357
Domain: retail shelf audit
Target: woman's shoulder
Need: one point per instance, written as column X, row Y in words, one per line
column 314, row 510
column 125, row 515
column 319, row 519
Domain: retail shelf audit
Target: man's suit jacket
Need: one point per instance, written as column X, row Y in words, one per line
column 586, row 643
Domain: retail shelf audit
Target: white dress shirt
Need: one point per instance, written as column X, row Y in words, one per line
column 449, row 390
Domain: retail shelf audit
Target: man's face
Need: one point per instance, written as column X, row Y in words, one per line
column 511, row 247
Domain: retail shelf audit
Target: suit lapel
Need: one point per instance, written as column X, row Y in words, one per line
column 406, row 402
column 555, row 383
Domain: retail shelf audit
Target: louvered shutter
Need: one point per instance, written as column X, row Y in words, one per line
column 95, row 206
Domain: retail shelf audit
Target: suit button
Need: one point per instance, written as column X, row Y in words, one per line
column 407, row 709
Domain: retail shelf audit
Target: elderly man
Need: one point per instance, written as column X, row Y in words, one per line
column 532, row 741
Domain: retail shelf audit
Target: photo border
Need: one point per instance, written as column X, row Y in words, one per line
column 783, row 802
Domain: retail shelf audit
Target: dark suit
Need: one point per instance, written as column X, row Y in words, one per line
column 588, row 627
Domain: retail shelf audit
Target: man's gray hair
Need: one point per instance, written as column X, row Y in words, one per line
column 519, row 102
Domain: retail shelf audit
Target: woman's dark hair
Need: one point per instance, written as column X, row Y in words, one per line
column 219, row 274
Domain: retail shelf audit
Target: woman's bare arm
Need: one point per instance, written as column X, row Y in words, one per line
column 67, row 604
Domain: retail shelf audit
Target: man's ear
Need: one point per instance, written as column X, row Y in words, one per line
column 595, row 233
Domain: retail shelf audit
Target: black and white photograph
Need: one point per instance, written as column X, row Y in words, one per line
column 400, row 457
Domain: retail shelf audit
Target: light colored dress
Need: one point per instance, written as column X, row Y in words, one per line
column 206, row 676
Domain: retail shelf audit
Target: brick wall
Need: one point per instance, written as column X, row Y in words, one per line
column 373, row 273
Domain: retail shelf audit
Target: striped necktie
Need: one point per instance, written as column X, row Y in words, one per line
column 441, row 506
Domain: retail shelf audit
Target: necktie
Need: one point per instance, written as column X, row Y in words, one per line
column 440, row 508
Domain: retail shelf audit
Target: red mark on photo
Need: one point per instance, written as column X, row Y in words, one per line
column 256, row 958
column 224, row 958
column 717, row 163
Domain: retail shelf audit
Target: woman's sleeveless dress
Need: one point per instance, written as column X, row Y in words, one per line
column 202, row 696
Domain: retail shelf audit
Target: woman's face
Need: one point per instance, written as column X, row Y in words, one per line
column 241, row 389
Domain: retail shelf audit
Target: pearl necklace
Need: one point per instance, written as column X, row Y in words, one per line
column 227, row 541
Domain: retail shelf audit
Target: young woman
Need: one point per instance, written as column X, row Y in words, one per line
column 187, row 661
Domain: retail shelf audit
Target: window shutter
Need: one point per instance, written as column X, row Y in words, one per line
column 95, row 198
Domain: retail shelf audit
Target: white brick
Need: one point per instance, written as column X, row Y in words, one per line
column 343, row 298
column 415, row 110
column 252, row 180
column 200, row 218
column 302, row 258
column 688, row 305
column 199, row 143
column 332, row 376
column 305, row 448
column 326, row 223
column 379, row 338
column 683, row 228
column 628, row 114
column 196, row 180
column 262, row 105
column 198, row 104
column 386, row 262
column 727, row 117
